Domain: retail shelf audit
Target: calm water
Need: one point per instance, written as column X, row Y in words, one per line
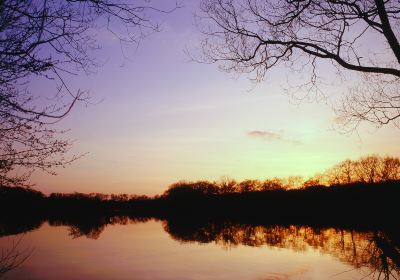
column 152, row 249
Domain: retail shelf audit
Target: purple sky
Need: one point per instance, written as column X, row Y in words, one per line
column 158, row 118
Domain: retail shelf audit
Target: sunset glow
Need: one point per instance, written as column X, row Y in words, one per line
column 204, row 139
column 158, row 117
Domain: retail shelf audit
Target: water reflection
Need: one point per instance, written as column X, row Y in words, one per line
column 377, row 250
column 13, row 256
column 93, row 227
column 374, row 249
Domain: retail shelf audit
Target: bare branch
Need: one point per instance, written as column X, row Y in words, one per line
column 52, row 39
column 254, row 36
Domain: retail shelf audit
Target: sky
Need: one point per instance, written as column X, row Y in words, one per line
column 156, row 117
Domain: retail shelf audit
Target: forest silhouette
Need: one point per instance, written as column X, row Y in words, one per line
column 349, row 212
column 353, row 192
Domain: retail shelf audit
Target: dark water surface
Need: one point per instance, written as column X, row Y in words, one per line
column 122, row 248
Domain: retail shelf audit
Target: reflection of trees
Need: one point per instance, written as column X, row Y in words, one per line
column 92, row 227
column 12, row 257
column 385, row 256
column 376, row 250
column 11, row 226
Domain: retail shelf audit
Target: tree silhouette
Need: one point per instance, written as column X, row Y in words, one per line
column 253, row 36
column 11, row 258
column 367, row 169
column 52, row 40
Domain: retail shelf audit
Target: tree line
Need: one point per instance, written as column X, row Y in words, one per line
column 335, row 197
column 367, row 169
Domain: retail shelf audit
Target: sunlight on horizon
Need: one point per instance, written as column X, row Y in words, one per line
column 203, row 139
column 148, row 126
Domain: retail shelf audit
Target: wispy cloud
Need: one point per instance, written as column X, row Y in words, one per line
column 268, row 135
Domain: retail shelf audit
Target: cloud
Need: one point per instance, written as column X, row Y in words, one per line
column 267, row 135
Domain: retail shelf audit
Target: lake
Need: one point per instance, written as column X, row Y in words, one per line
column 124, row 248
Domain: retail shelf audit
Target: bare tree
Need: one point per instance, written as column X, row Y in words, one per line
column 249, row 186
column 360, row 36
column 51, row 40
column 347, row 168
column 12, row 257
column 367, row 169
column 227, row 185
column 368, row 166
column 272, row 184
column 389, row 168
